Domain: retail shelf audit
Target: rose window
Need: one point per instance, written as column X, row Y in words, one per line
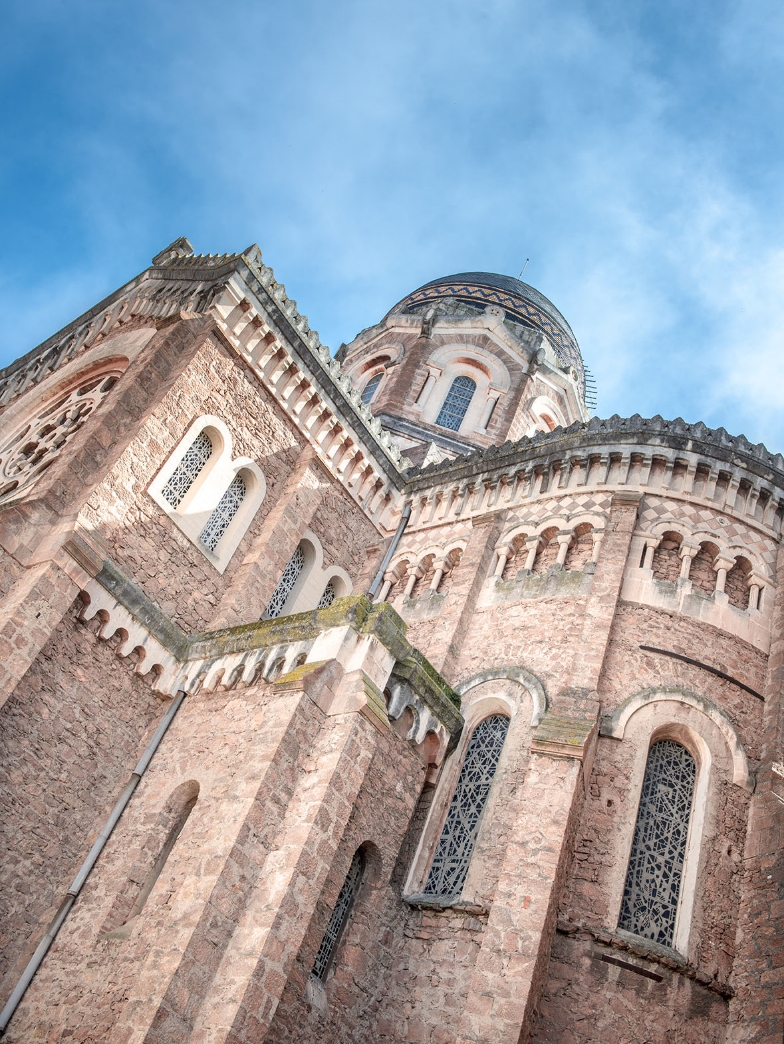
column 37, row 443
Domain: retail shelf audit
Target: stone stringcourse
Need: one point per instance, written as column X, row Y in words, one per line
column 676, row 434
column 242, row 655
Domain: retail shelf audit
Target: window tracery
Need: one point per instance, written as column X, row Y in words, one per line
column 371, row 387
column 456, row 403
column 653, row 879
column 459, row 833
column 328, row 597
column 188, row 470
column 339, row 918
column 288, row 578
column 221, row 518
column 33, row 447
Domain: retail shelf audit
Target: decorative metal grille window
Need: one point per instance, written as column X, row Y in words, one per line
column 370, row 388
column 187, row 471
column 339, row 918
column 458, row 837
column 327, row 598
column 653, row 880
column 456, row 403
column 220, row 520
column 286, row 583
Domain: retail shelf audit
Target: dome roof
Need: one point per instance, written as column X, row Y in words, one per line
column 521, row 302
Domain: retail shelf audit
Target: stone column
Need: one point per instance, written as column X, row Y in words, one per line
column 440, row 567
column 503, row 558
column 564, row 540
column 532, row 545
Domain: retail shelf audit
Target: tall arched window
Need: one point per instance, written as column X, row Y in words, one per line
column 370, row 388
column 456, row 403
column 653, row 880
column 458, row 837
column 339, row 918
column 221, row 518
column 187, row 471
column 288, row 578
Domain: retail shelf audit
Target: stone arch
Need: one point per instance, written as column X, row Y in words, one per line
column 736, row 586
column 580, row 550
column 425, row 570
column 525, row 677
column 547, row 551
column 666, row 563
column 452, row 558
column 701, row 571
column 614, row 724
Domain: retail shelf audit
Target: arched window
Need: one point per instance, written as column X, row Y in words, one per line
column 653, row 880
column 152, row 857
column 187, row 471
column 339, row 918
column 456, row 403
column 285, row 586
column 370, row 388
column 458, row 837
column 328, row 597
column 221, row 518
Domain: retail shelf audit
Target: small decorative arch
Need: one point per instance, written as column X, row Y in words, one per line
column 666, row 557
column 737, row 583
column 701, row 571
column 615, row 724
column 525, row 677
column 545, row 415
column 547, row 551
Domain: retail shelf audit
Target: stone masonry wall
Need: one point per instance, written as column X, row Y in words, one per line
column 245, row 752
column 146, row 545
column 140, row 537
column 354, row 1005
column 71, row 734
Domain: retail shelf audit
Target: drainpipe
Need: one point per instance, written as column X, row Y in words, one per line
column 84, row 872
column 390, row 551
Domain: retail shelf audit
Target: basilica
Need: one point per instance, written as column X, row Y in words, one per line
column 389, row 697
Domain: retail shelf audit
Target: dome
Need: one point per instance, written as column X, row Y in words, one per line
column 521, row 302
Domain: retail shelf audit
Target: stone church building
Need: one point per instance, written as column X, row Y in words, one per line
column 382, row 698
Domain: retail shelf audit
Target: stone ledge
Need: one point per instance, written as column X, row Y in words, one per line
column 358, row 612
column 645, row 950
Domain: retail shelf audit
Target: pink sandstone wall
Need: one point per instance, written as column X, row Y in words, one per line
column 71, row 734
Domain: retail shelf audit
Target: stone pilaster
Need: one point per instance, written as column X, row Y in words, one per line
column 475, row 565
column 605, row 590
column 757, row 1010
column 512, row 964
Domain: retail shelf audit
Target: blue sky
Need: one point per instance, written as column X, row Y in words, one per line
column 632, row 150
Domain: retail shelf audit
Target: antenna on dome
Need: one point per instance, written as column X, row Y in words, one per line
column 524, row 267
